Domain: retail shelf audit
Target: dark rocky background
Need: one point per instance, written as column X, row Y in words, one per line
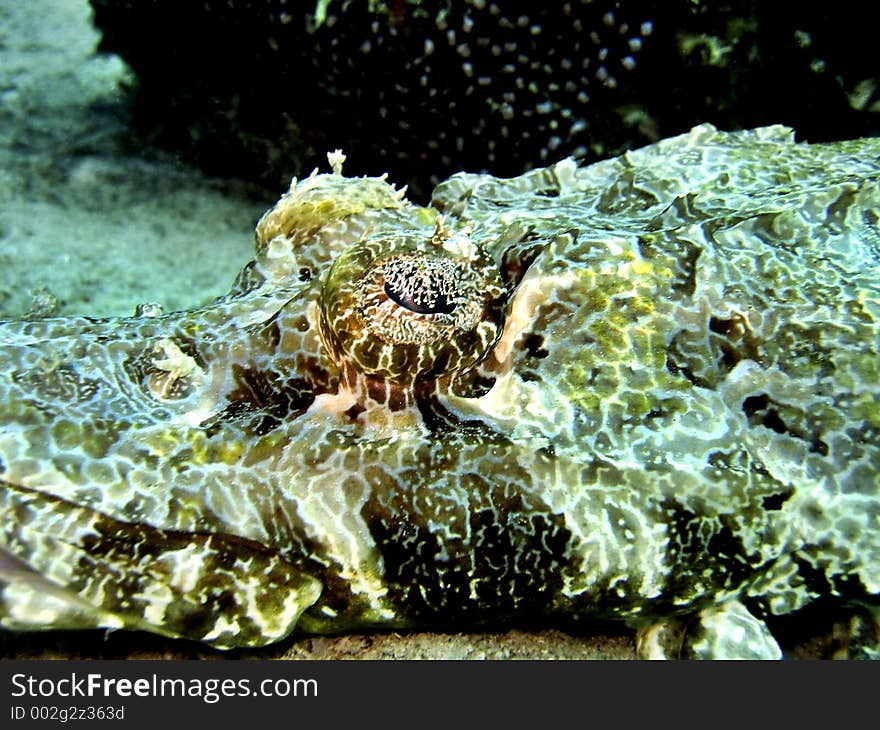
column 261, row 89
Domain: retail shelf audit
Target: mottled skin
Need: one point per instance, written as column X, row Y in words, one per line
column 664, row 411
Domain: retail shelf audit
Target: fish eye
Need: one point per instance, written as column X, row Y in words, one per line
column 428, row 293
column 405, row 309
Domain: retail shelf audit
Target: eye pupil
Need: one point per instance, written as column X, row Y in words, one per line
column 404, row 309
column 439, row 303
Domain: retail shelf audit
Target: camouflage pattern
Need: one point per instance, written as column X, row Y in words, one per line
column 643, row 390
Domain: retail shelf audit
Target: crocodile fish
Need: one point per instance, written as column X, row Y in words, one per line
column 643, row 390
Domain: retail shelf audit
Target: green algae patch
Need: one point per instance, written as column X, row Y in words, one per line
column 265, row 447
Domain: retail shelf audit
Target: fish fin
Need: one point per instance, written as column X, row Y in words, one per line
column 857, row 636
column 725, row 631
column 67, row 566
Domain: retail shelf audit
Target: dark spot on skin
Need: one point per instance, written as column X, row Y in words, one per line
column 820, row 447
column 814, row 578
column 266, row 391
column 721, row 326
column 775, row 501
column 735, row 340
column 392, row 395
column 353, row 412
column 679, row 361
column 443, row 423
column 273, row 333
column 484, row 565
column 63, row 384
column 849, row 584
column 701, row 546
column 548, row 451
column 761, row 410
column 472, row 385
column 261, row 401
column 681, row 254
column 756, row 407
column 517, row 259
column 533, row 344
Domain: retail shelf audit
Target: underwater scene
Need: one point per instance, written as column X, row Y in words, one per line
column 439, row 330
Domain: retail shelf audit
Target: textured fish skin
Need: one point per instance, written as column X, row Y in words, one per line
column 643, row 390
